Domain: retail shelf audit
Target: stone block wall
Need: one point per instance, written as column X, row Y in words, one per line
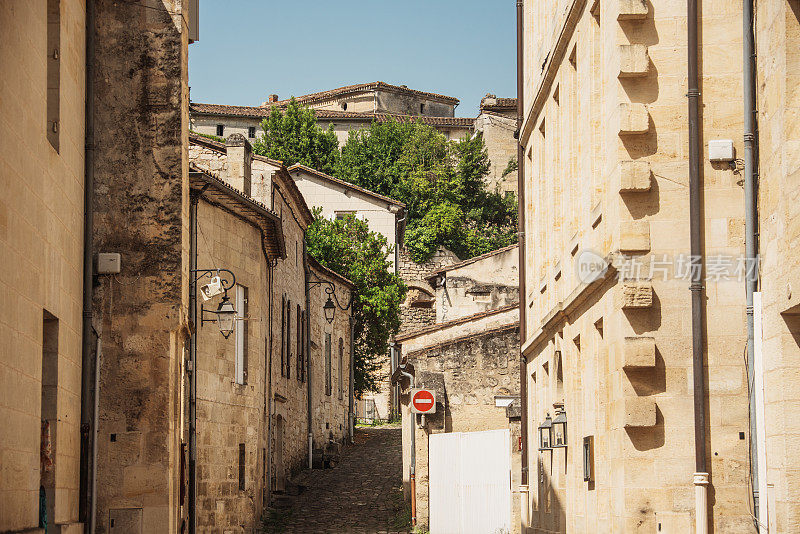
column 473, row 370
column 778, row 103
column 231, row 414
column 606, row 162
column 141, row 211
column 331, row 408
column 41, row 247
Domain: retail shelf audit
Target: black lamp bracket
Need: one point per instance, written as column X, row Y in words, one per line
column 330, row 290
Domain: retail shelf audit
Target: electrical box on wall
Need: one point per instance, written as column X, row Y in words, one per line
column 108, row 263
column 721, row 150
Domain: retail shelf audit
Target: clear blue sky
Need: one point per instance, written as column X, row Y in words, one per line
column 249, row 49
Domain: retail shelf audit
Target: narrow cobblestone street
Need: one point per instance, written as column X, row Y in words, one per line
column 363, row 494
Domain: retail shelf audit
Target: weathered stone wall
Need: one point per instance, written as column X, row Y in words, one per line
column 289, row 393
column 778, row 31
column 330, row 412
column 411, row 105
column 606, row 148
column 230, row 413
column 479, row 284
column 411, row 270
column 473, row 370
column 498, row 134
column 141, row 211
column 41, row 246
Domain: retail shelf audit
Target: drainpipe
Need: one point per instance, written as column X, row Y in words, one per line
column 701, row 479
column 194, row 199
column 403, row 372
column 351, row 412
column 751, row 234
column 87, row 465
column 268, row 386
column 307, row 349
column 523, row 384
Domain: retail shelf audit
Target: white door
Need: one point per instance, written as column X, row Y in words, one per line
column 469, row 475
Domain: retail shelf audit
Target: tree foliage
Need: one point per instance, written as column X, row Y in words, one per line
column 293, row 136
column 440, row 181
column 348, row 247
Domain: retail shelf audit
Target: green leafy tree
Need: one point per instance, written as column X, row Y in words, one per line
column 293, row 136
column 440, row 181
column 348, row 247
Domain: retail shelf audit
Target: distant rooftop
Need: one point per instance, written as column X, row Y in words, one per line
column 364, row 87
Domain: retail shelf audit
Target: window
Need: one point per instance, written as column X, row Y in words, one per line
column 49, row 408
column 251, row 132
column 300, row 347
column 421, row 108
column 288, row 338
column 328, row 364
column 344, row 106
column 220, row 130
column 341, row 368
column 53, row 71
column 283, row 336
column 240, row 329
column 241, row 467
column 344, row 214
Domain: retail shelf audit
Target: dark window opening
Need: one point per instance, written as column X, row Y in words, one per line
column 283, row 335
column 241, row 467
column 299, row 344
column 251, row 132
column 421, row 108
column 328, row 385
column 341, row 368
column 344, row 106
column 49, row 411
column 220, row 130
column 288, row 339
column 53, row 71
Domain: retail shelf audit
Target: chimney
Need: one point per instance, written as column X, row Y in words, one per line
column 240, row 158
column 272, row 98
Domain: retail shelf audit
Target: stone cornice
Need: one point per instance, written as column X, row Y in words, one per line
column 551, row 68
column 561, row 312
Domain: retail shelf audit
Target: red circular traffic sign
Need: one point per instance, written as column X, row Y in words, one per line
column 423, row 401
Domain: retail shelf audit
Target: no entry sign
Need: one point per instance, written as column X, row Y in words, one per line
column 423, row 401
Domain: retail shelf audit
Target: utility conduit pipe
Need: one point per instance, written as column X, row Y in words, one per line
column 402, row 368
column 700, row 478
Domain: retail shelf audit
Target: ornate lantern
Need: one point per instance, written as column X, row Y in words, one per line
column 545, row 430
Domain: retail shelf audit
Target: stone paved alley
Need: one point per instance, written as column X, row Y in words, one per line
column 363, row 494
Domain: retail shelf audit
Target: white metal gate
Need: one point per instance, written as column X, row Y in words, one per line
column 470, row 482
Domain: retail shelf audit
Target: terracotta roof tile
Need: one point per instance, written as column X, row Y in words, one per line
column 372, row 86
column 492, row 103
column 326, row 114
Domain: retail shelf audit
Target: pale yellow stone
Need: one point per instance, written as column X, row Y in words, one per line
column 632, row 9
column 633, row 119
column 639, row 352
column 633, row 61
column 634, row 236
column 634, row 176
column 636, row 295
column 640, row 412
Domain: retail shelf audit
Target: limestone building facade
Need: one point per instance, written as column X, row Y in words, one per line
column 469, row 355
column 497, row 121
column 41, row 239
column 223, row 120
column 777, row 67
column 605, row 174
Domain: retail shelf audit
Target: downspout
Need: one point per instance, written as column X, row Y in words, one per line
column 398, row 234
column 751, row 235
column 351, row 413
column 413, row 466
column 523, row 384
column 87, row 465
column 701, row 479
column 98, row 356
column 307, row 349
column 268, row 385
column 194, row 198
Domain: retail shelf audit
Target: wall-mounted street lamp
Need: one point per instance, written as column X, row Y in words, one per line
column 221, row 280
column 559, row 432
column 329, row 308
column 545, row 430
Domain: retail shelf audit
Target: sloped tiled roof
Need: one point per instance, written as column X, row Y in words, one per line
column 326, row 114
column 371, row 86
column 218, row 192
column 460, row 264
column 347, row 185
column 498, row 104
